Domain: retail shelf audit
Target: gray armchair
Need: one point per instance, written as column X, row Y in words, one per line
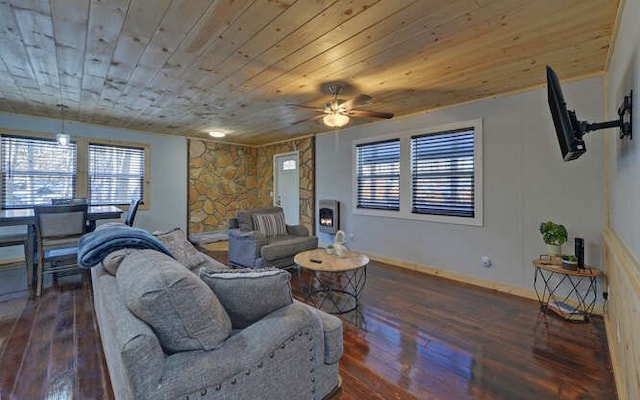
column 252, row 248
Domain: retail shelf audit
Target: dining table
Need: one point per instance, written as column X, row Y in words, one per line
column 26, row 216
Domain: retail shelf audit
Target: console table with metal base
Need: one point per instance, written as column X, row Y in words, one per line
column 570, row 294
column 332, row 284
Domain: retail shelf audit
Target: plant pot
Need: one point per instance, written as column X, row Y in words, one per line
column 570, row 265
column 554, row 249
column 329, row 250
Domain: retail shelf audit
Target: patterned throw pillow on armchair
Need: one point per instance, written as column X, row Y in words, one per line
column 270, row 224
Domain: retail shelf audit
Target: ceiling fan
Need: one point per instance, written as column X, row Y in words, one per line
column 337, row 113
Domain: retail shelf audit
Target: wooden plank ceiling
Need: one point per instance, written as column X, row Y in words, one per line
column 187, row 67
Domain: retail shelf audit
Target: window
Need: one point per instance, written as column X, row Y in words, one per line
column 427, row 174
column 442, row 173
column 289, row 165
column 378, row 175
column 116, row 174
column 34, row 171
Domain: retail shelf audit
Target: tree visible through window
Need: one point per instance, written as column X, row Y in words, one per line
column 116, row 174
column 378, row 175
column 34, row 171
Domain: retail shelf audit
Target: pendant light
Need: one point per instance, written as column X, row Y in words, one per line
column 61, row 137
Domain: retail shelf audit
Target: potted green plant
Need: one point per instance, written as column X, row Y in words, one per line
column 330, row 249
column 553, row 235
column 570, row 262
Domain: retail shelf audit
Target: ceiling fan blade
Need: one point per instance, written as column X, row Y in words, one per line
column 371, row 114
column 308, row 119
column 307, row 107
column 359, row 100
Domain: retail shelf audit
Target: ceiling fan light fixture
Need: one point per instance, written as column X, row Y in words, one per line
column 335, row 120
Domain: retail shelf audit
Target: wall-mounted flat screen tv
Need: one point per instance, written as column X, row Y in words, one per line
column 568, row 129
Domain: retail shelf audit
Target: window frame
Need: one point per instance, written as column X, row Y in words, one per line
column 118, row 146
column 146, row 190
column 45, row 141
column 82, row 161
column 406, row 190
column 357, row 183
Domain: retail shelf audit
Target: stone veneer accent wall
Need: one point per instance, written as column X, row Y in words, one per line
column 222, row 180
column 225, row 178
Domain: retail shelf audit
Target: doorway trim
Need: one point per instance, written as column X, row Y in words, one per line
column 276, row 169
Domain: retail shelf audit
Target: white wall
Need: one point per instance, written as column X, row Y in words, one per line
column 624, row 155
column 525, row 182
column 168, row 201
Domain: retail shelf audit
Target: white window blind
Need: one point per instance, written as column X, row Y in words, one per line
column 378, row 175
column 116, row 174
column 34, row 171
column 442, row 173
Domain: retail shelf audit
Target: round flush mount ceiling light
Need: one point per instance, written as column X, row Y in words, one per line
column 217, row 134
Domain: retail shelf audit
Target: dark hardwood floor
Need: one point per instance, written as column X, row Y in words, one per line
column 50, row 347
column 414, row 337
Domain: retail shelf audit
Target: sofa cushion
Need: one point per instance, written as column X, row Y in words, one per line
column 128, row 342
column 177, row 242
column 270, row 224
column 287, row 246
column 181, row 309
column 249, row 295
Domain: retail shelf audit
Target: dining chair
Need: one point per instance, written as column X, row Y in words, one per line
column 58, row 229
column 133, row 209
column 91, row 225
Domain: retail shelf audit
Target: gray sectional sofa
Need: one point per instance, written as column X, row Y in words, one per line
column 292, row 352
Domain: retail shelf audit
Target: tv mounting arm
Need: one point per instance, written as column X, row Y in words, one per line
column 625, row 126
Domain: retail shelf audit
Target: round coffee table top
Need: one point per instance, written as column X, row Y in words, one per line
column 330, row 262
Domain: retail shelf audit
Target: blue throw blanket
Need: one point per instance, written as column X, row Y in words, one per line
column 95, row 246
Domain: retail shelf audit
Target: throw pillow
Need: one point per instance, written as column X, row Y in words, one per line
column 181, row 309
column 270, row 224
column 177, row 242
column 247, row 294
column 113, row 260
